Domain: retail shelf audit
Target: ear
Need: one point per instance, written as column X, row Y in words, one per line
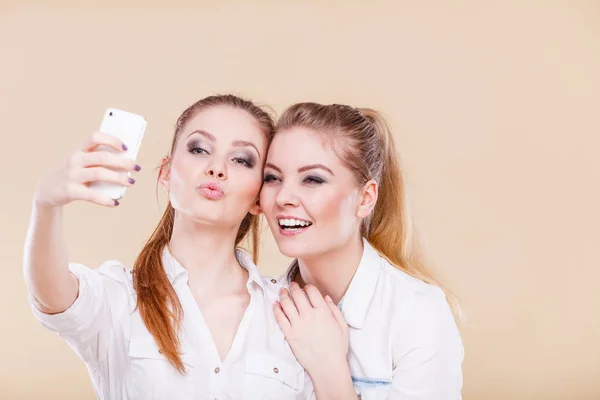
column 164, row 175
column 255, row 209
column 368, row 199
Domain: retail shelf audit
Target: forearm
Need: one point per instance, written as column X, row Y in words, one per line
column 46, row 261
column 334, row 383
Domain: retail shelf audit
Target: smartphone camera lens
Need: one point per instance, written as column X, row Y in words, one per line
column 110, row 113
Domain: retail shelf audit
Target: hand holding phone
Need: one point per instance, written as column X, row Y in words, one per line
column 100, row 170
column 129, row 128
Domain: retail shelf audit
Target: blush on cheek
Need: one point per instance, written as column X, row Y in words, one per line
column 334, row 215
column 246, row 191
column 250, row 188
column 181, row 189
column 267, row 201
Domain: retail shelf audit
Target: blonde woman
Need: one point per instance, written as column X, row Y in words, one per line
column 334, row 199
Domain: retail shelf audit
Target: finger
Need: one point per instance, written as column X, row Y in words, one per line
column 288, row 306
column 281, row 318
column 99, row 139
column 106, row 159
column 99, row 174
column 93, row 196
column 337, row 313
column 315, row 297
column 300, row 298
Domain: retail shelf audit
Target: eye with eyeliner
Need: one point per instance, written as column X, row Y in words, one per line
column 245, row 160
column 270, row 178
column 313, row 180
column 195, row 147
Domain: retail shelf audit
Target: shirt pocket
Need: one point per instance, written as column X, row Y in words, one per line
column 371, row 388
column 151, row 376
column 271, row 377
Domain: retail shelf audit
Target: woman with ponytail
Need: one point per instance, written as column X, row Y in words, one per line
column 193, row 318
column 335, row 200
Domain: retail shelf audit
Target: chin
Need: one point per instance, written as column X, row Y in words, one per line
column 295, row 248
column 206, row 216
column 207, row 211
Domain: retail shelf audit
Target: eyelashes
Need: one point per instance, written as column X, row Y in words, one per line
column 245, row 160
column 195, row 148
column 269, row 178
column 311, row 180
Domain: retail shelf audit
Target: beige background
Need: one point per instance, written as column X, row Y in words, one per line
column 495, row 106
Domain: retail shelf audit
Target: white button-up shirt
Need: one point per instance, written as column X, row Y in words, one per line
column 404, row 342
column 105, row 329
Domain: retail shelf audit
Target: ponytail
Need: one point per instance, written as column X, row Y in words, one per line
column 390, row 229
column 157, row 301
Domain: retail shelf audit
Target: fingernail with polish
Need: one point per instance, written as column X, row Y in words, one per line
column 124, row 147
column 131, row 180
column 116, row 202
column 137, row 167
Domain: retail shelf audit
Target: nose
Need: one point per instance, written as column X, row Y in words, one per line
column 286, row 197
column 215, row 171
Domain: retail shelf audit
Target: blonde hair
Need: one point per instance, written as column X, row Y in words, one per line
column 365, row 144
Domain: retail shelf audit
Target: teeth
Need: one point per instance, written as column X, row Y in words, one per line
column 293, row 222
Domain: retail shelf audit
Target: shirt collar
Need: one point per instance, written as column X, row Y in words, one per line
column 357, row 300
column 176, row 272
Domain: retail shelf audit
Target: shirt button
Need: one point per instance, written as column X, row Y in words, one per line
column 217, row 370
column 276, row 370
column 273, row 281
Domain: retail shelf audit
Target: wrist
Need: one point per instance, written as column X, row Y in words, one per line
column 43, row 208
column 333, row 382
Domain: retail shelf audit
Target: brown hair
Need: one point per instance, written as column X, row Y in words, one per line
column 365, row 144
column 157, row 301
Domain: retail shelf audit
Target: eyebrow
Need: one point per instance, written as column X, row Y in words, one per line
column 244, row 143
column 302, row 169
column 236, row 143
column 203, row 133
column 315, row 166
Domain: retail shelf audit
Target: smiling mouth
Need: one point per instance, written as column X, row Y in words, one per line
column 292, row 224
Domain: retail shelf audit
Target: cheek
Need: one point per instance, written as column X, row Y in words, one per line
column 267, row 199
column 247, row 186
column 182, row 174
column 332, row 209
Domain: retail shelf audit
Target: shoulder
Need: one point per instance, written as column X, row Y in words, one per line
column 399, row 293
column 110, row 270
column 418, row 307
column 403, row 282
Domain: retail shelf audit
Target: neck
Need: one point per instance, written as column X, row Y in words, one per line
column 333, row 271
column 207, row 253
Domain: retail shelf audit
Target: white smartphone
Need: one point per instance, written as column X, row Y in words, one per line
column 128, row 128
